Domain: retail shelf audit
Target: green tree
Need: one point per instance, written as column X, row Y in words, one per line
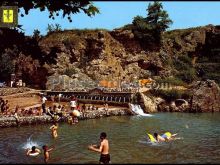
column 54, row 6
column 7, row 63
column 36, row 34
column 53, row 28
column 149, row 29
column 157, row 18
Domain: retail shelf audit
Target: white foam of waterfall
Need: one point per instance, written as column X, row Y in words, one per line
column 138, row 110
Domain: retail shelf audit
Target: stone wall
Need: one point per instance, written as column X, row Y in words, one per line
column 12, row 122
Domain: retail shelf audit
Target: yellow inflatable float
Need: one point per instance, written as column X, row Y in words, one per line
column 152, row 139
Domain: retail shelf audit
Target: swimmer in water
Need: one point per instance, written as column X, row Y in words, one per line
column 33, row 150
column 164, row 137
column 54, row 128
column 46, row 153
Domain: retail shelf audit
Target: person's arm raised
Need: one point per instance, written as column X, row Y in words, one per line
column 38, row 150
column 28, row 152
column 91, row 147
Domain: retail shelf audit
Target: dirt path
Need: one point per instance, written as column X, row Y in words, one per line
column 23, row 100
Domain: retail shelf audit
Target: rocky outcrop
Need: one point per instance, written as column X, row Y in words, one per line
column 149, row 105
column 179, row 105
column 103, row 113
column 206, row 97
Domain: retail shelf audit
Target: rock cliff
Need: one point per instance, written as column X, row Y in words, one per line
column 186, row 56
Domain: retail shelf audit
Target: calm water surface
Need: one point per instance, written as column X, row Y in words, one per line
column 200, row 141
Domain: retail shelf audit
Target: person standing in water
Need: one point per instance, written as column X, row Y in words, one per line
column 54, row 128
column 103, row 149
column 46, row 153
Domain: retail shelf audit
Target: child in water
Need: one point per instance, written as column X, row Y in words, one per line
column 46, row 153
column 54, row 130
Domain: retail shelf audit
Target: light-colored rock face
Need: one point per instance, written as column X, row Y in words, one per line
column 118, row 54
column 99, row 54
column 206, row 97
column 149, row 105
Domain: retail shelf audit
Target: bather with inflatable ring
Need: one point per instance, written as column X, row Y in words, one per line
column 33, row 151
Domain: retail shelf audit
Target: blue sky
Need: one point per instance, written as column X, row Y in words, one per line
column 117, row 14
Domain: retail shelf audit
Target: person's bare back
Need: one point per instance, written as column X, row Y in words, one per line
column 105, row 147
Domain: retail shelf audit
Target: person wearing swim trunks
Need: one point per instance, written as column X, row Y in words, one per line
column 103, row 149
column 33, row 150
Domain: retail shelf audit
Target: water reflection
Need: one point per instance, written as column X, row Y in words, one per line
column 200, row 142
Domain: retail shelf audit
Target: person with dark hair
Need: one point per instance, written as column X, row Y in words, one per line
column 46, row 153
column 165, row 137
column 103, row 149
column 33, row 151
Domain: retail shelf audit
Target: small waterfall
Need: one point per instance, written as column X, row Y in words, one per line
column 124, row 99
column 111, row 98
column 119, row 99
column 138, row 110
column 106, row 98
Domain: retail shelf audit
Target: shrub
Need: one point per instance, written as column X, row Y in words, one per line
column 171, row 95
column 70, row 71
column 172, row 81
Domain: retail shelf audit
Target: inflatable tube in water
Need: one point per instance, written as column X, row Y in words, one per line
column 168, row 134
column 151, row 138
column 34, row 154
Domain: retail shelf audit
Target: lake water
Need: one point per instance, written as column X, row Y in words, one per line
column 199, row 143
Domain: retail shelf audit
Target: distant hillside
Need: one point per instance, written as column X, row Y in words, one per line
column 186, row 55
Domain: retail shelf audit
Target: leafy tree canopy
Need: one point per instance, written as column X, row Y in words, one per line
column 54, row 6
column 149, row 29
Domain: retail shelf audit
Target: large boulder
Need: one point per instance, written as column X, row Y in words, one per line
column 148, row 104
column 206, row 97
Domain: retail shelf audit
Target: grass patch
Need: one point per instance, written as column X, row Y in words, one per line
column 172, row 80
column 171, row 95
